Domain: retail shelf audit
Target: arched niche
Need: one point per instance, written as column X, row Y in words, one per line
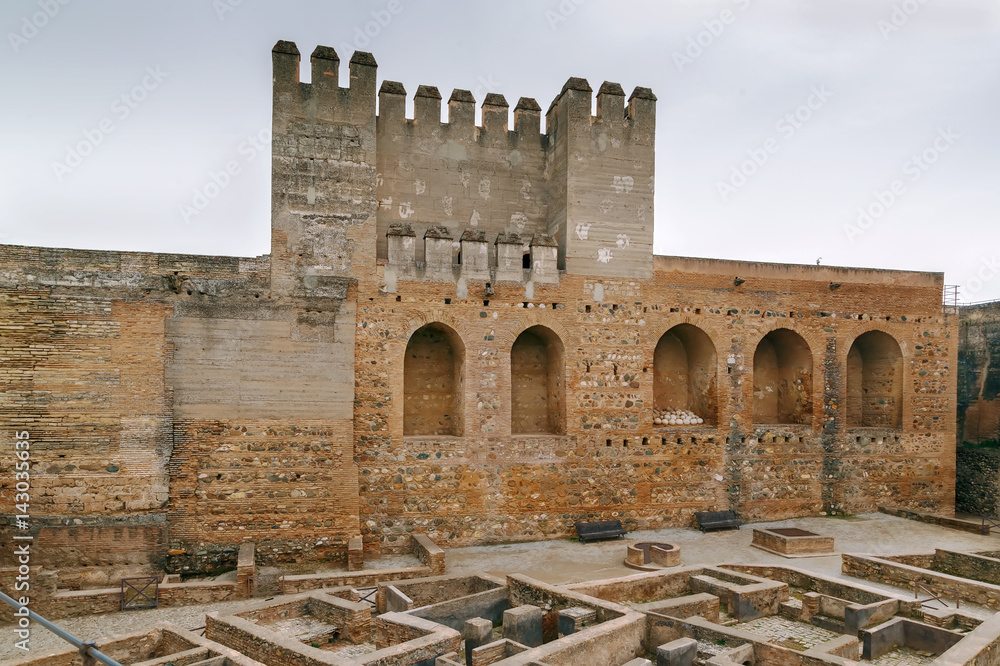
column 685, row 372
column 537, row 389
column 875, row 382
column 433, row 382
column 782, row 379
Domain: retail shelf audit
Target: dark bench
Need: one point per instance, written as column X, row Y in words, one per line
column 717, row 520
column 600, row 529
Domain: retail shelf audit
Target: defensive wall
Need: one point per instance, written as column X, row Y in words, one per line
column 461, row 330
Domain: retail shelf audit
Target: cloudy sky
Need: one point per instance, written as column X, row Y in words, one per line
column 861, row 132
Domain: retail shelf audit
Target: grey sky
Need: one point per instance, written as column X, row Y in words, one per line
column 887, row 81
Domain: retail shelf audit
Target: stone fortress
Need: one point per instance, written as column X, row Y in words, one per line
column 460, row 331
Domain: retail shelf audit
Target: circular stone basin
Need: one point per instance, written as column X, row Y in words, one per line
column 650, row 556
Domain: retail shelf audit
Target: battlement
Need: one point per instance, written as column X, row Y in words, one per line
column 323, row 97
column 585, row 183
column 470, row 255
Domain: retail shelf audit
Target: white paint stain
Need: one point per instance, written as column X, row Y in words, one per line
column 475, row 218
column 642, row 213
column 405, row 209
column 526, row 189
column 607, row 205
column 624, row 184
column 652, row 185
column 623, row 241
column 420, row 186
column 385, row 204
column 379, row 180
column 484, row 188
column 583, row 230
column 449, row 204
column 464, row 177
column 519, row 220
column 604, row 255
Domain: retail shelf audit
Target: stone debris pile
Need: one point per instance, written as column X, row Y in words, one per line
column 676, row 417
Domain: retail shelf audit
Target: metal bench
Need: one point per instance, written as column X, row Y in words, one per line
column 717, row 520
column 600, row 529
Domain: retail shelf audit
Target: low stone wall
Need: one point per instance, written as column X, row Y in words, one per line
column 402, row 639
column 306, row 582
column 980, row 647
column 902, row 632
column 973, row 526
column 967, row 565
column 489, row 605
column 893, row 573
column 429, row 554
column 168, row 642
column 746, row 597
column 815, row 582
column 842, row 651
column 78, row 603
column 436, row 589
column 652, row 585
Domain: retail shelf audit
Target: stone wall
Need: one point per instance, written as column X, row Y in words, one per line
column 979, row 373
column 612, row 461
column 268, row 399
column 977, row 481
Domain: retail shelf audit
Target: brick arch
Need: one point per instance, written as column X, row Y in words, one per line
column 889, row 328
column 784, row 388
column 508, row 331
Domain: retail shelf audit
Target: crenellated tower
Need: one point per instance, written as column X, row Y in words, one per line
column 452, row 200
column 601, row 172
column 323, row 173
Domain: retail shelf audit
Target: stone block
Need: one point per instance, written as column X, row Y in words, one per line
column 355, row 554
column 572, row 620
column 677, row 653
column 476, row 633
column 523, row 625
column 396, row 601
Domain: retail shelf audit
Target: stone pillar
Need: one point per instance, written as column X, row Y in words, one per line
column 810, row 606
column 246, row 569
column 677, row 653
column 476, row 633
column 523, row 625
column 572, row 620
column 355, row 554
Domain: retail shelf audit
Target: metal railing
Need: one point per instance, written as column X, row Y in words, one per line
column 136, row 593
column 990, row 523
column 935, row 593
column 88, row 649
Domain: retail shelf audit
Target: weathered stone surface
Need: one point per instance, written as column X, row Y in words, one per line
column 294, row 400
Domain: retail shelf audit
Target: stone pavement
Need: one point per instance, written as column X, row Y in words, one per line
column 788, row 633
column 903, row 657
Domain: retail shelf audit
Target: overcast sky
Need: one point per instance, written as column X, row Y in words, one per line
column 862, row 132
